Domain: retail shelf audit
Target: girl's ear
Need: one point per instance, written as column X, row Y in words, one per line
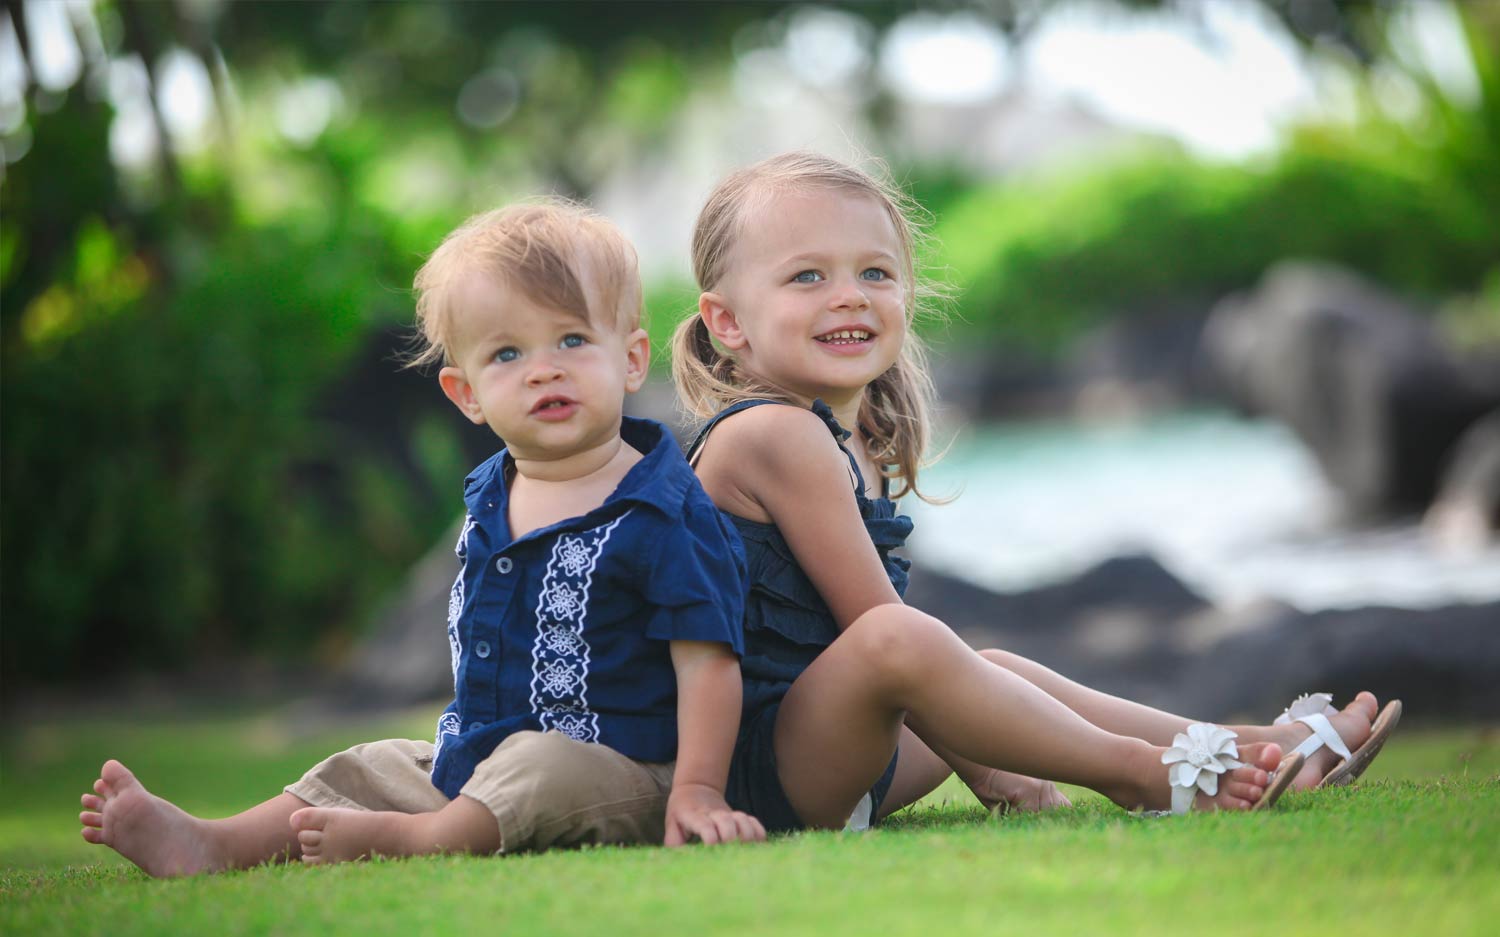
column 637, row 359
column 456, row 387
column 722, row 321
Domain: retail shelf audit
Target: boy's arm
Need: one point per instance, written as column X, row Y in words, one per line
column 708, row 718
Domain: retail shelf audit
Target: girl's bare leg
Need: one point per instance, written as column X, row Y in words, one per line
column 920, row 770
column 336, row 834
column 164, row 840
column 1125, row 717
column 842, row 718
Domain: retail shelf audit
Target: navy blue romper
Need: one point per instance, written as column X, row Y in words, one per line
column 787, row 625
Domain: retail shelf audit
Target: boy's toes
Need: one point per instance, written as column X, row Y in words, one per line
column 309, row 820
column 94, row 835
column 90, row 818
column 92, row 802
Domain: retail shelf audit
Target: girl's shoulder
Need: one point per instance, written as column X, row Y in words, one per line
column 774, row 432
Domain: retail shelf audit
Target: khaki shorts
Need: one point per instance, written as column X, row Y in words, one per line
column 544, row 788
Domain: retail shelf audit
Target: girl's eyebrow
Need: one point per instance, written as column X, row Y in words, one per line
column 816, row 257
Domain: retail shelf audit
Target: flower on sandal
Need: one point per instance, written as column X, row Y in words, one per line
column 1308, row 704
column 1198, row 756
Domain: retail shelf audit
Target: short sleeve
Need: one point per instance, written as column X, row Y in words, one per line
column 698, row 580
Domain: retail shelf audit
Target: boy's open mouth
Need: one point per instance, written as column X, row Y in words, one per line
column 552, row 405
column 845, row 337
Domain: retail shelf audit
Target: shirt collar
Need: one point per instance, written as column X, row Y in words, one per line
column 661, row 478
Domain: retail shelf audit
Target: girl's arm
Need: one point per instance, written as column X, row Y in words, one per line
column 784, row 462
column 708, row 717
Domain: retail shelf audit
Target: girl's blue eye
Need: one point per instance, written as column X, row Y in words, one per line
column 574, row 341
column 507, row 354
column 807, row 276
column 874, row 273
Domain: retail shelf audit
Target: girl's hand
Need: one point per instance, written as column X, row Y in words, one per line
column 696, row 811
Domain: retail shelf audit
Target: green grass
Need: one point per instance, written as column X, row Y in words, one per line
column 1412, row 849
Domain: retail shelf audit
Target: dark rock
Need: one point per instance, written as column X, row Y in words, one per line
column 1129, row 628
column 1466, row 514
column 1126, row 627
column 1359, row 375
column 405, row 659
column 991, row 382
column 1141, row 362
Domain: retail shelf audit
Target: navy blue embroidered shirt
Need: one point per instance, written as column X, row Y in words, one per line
column 566, row 628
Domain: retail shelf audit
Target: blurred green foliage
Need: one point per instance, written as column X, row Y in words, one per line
column 1416, row 207
column 182, row 350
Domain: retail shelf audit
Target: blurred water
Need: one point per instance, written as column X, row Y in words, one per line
column 1235, row 508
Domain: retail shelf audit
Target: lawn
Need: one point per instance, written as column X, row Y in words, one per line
column 1411, row 849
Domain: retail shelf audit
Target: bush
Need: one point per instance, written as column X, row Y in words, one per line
column 1038, row 262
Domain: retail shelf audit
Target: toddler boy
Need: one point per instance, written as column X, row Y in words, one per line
column 595, row 622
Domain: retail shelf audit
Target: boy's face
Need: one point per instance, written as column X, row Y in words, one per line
column 551, row 384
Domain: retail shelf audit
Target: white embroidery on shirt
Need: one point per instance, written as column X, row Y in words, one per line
column 456, row 596
column 573, row 557
column 448, row 724
column 573, row 726
column 559, row 679
column 560, row 653
column 562, row 602
column 561, row 639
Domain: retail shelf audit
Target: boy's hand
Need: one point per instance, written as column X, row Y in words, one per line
column 698, row 811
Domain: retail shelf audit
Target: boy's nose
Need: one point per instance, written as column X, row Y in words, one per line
column 543, row 372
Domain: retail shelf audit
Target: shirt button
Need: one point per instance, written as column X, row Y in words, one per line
column 482, row 649
column 503, row 564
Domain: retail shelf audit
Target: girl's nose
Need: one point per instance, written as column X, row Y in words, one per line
column 850, row 295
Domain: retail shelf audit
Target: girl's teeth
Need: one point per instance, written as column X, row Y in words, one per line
column 846, row 336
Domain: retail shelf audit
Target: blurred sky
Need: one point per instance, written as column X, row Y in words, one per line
column 1221, row 76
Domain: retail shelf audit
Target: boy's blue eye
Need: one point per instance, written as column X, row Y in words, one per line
column 807, row 276
column 507, row 354
column 874, row 273
column 574, row 340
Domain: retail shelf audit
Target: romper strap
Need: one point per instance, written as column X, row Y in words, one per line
column 821, row 409
column 731, row 410
column 825, row 413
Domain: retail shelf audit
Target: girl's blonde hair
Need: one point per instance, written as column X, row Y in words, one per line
column 897, row 405
column 556, row 252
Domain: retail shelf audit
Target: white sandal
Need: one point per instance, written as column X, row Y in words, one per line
column 1198, row 756
column 1313, row 710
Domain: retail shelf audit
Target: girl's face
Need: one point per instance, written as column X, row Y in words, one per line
column 813, row 297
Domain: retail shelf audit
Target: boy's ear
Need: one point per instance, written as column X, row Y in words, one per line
column 722, row 322
column 637, row 359
column 456, row 387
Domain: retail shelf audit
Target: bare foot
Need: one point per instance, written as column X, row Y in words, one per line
column 160, row 837
column 1002, row 791
column 1353, row 726
column 339, row 834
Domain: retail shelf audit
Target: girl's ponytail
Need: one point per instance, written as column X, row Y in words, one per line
column 694, row 361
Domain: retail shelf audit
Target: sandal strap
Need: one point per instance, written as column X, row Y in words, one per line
column 1307, row 704
column 1196, row 759
column 1322, row 734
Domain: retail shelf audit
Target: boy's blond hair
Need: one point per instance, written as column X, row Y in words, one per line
column 561, row 255
column 897, row 405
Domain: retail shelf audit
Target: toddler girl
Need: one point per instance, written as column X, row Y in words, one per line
column 817, row 395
